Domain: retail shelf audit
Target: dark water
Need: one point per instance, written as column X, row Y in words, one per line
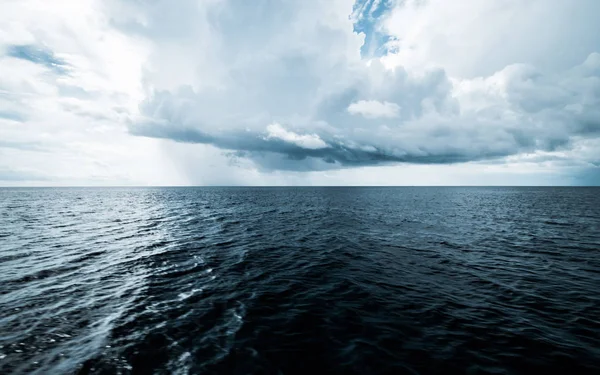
column 300, row 280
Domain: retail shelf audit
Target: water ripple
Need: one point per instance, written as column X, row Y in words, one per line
column 269, row 280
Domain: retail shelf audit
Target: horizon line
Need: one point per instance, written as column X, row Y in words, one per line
column 286, row 186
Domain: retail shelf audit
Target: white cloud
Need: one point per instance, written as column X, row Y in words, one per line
column 470, row 38
column 374, row 109
column 75, row 116
column 309, row 141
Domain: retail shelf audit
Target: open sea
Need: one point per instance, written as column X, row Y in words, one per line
column 300, row 280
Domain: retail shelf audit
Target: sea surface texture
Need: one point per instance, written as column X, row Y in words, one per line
column 300, row 280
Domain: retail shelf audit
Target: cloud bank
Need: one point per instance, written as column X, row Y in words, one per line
column 331, row 104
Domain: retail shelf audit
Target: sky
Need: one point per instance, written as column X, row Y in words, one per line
column 291, row 92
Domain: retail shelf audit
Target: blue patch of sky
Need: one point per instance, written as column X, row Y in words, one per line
column 38, row 55
column 366, row 15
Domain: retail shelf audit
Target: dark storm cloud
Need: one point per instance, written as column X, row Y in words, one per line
column 434, row 125
column 334, row 108
column 290, row 156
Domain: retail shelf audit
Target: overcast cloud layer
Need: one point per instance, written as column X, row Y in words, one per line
column 300, row 92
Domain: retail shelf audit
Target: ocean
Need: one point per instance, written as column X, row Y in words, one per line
column 300, row 280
